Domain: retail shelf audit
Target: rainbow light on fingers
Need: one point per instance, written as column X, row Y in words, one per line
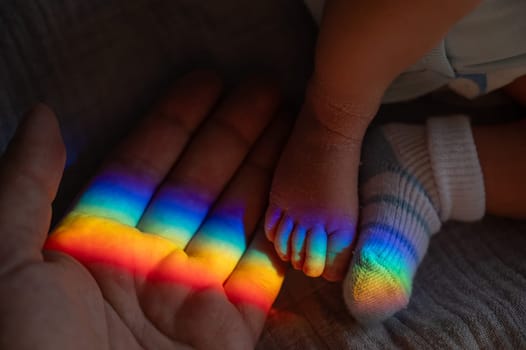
column 176, row 214
column 103, row 230
column 225, row 230
column 115, row 196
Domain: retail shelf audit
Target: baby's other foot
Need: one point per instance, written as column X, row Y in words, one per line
column 412, row 179
column 312, row 213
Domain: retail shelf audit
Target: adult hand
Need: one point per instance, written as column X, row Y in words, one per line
column 163, row 249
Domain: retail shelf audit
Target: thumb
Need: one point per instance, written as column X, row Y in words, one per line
column 30, row 172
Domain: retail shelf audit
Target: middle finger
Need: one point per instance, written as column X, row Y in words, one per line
column 183, row 201
column 226, row 232
column 125, row 184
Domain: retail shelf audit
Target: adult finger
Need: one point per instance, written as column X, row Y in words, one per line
column 217, row 247
column 126, row 182
column 30, row 172
column 224, row 236
column 256, row 281
column 183, row 201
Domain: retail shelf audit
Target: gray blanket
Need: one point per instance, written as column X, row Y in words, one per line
column 101, row 63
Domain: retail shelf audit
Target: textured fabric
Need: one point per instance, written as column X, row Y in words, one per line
column 412, row 177
column 400, row 211
column 468, row 294
column 100, row 64
column 457, row 169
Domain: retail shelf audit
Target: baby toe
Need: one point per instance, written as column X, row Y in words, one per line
column 282, row 238
column 339, row 252
column 273, row 217
column 298, row 244
column 315, row 252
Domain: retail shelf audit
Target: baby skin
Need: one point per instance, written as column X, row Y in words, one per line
column 312, row 214
column 313, row 207
column 312, row 217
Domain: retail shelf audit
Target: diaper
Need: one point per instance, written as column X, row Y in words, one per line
column 483, row 52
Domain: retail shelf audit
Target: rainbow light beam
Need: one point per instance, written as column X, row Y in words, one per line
column 106, row 228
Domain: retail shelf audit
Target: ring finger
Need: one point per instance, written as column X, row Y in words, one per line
column 194, row 184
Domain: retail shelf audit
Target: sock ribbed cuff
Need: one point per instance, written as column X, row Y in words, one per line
column 456, row 167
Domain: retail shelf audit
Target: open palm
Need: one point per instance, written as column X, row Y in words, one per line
column 163, row 249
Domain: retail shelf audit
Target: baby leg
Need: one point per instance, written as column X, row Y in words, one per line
column 502, row 152
column 413, row 179
column 362, row 47
column 312, row 213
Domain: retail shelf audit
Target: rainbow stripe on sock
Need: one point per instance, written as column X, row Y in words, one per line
column 381, row 282
column 105, row 228
column 398, row 217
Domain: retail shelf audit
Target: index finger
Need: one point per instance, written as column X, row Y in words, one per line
column 126, row 182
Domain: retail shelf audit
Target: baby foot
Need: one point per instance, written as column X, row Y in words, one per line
column 312, row 213
column 412, row 178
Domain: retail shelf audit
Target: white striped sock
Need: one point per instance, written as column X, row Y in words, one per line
column 402, row 179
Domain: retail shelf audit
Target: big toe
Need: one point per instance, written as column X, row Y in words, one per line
column 339, row 252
